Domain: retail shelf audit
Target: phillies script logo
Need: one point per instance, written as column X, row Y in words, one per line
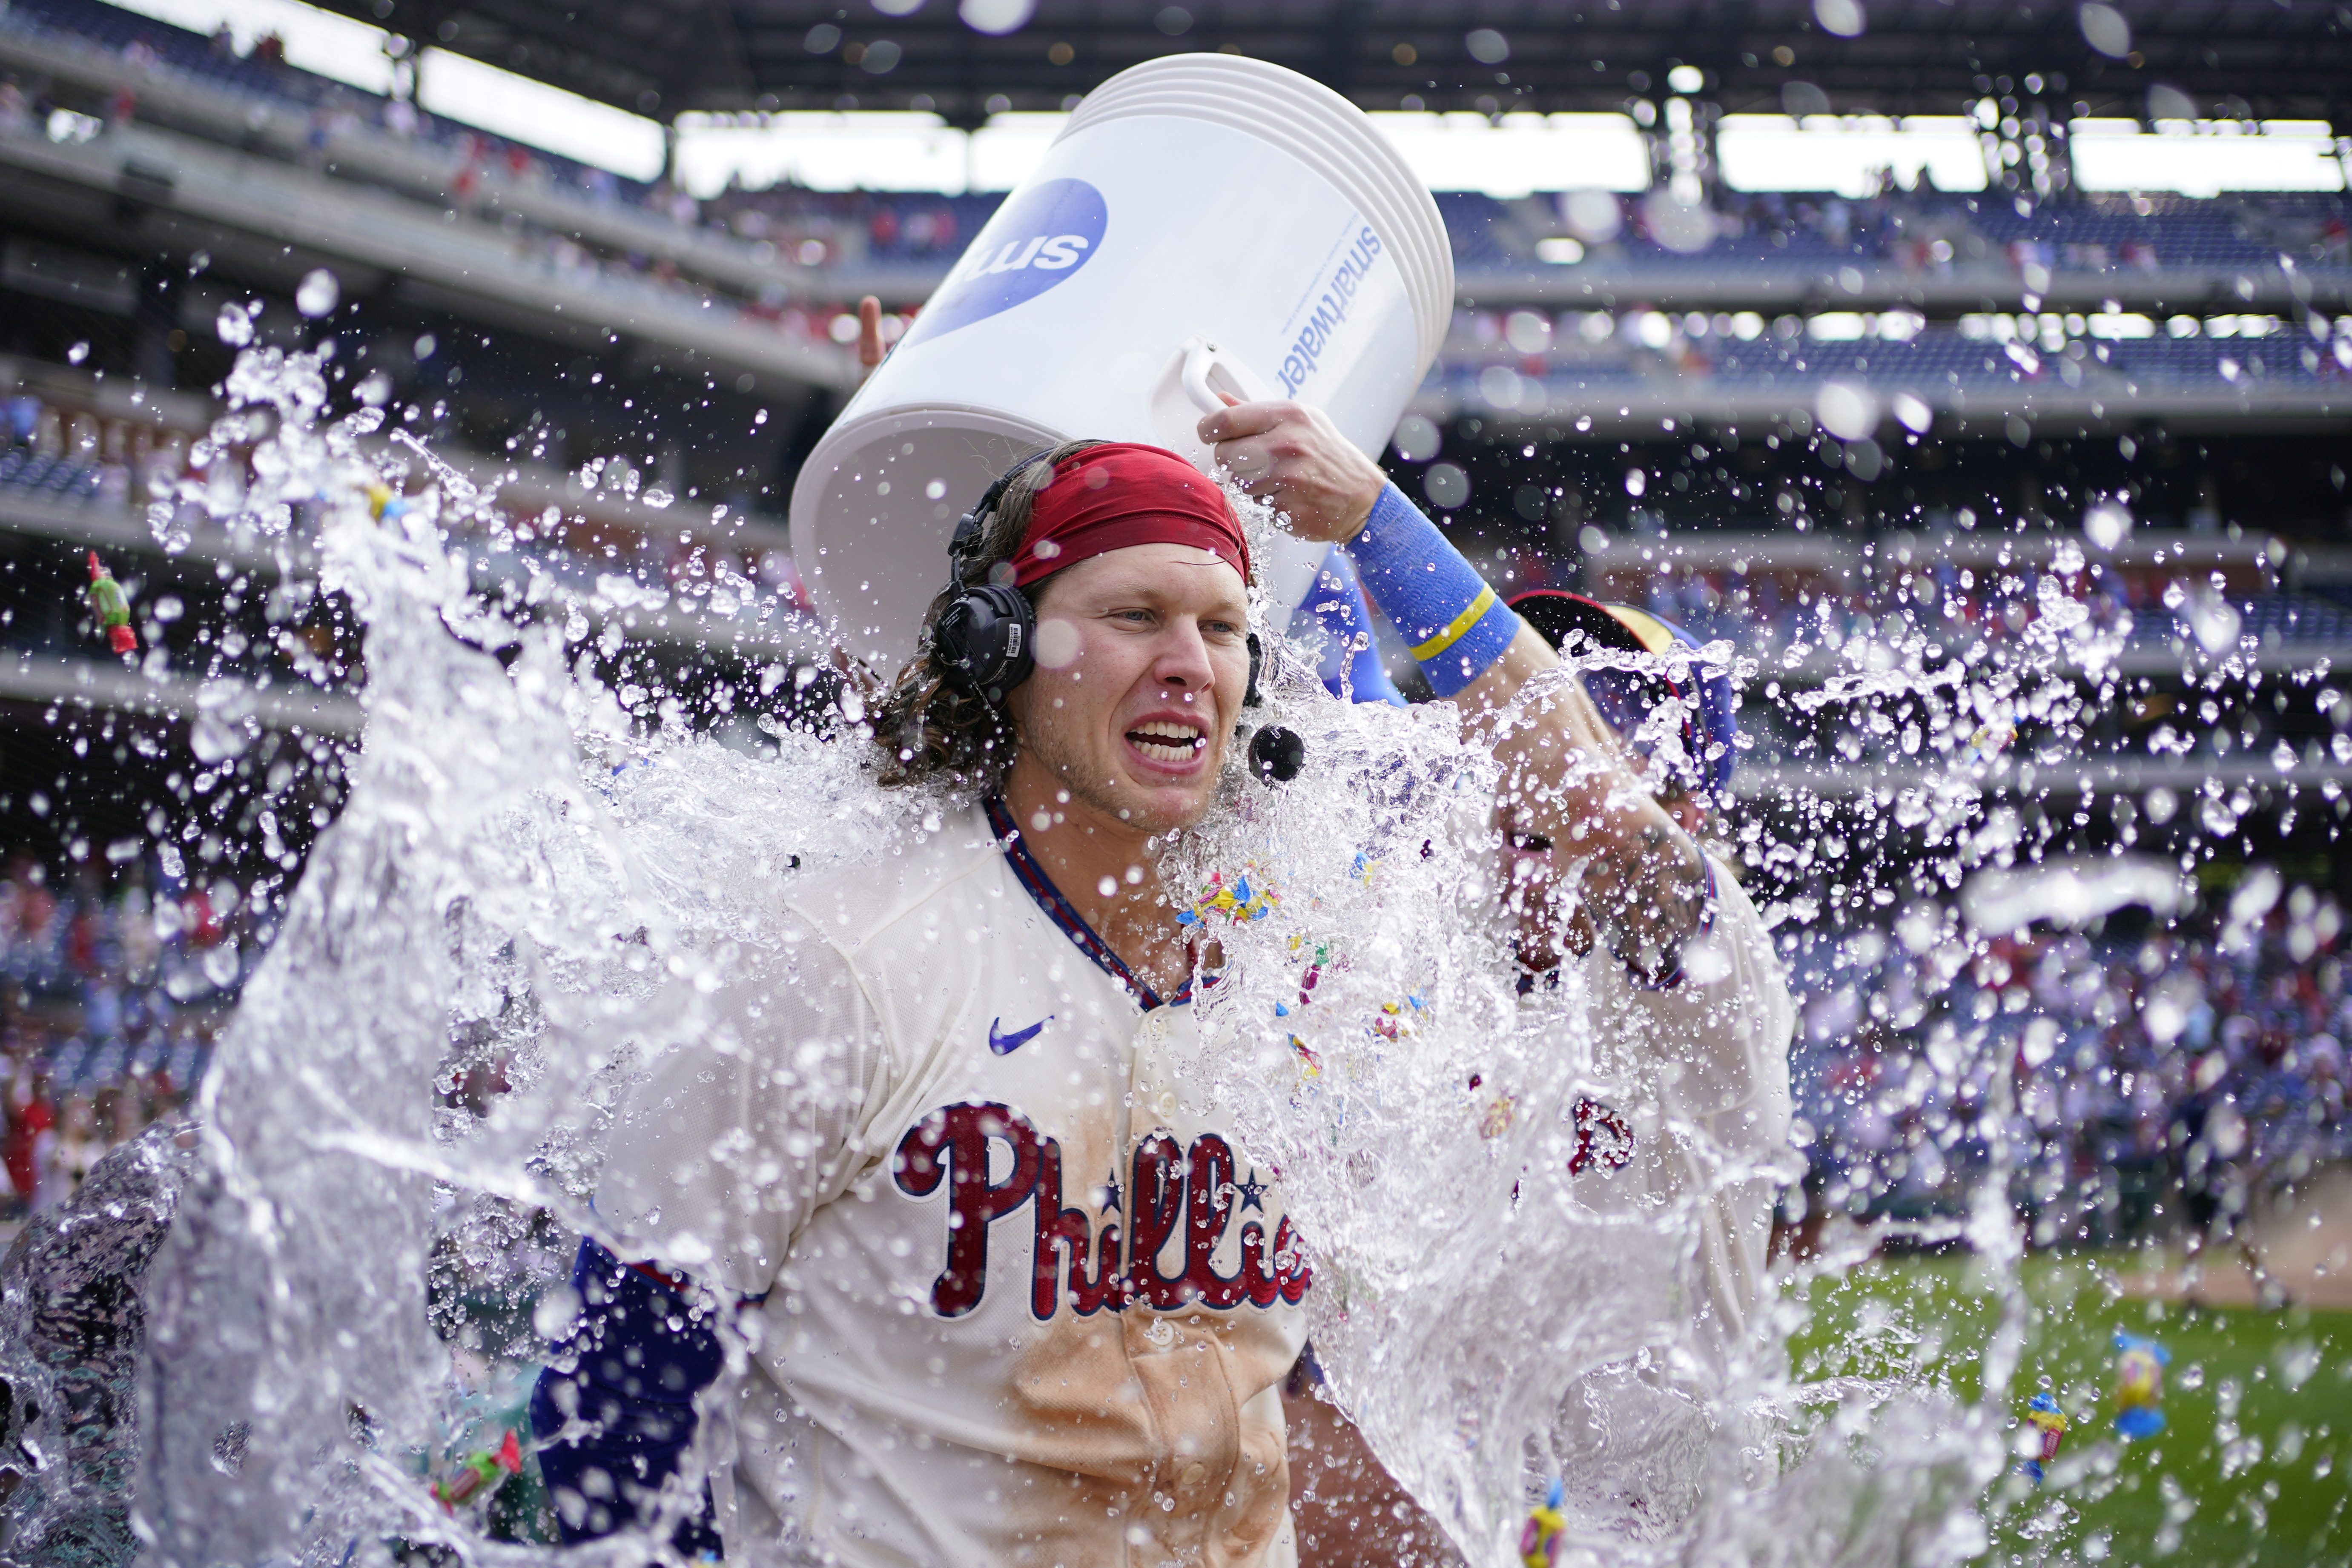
column 1603, row 1137
column 1170, row 1188
column 1034, row 241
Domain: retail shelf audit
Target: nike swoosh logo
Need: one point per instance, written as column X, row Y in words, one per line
column 1004, row 1045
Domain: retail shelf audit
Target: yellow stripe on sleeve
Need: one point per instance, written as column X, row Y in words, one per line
column 1454, row 629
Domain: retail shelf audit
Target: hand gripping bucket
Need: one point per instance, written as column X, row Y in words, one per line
column 1204, row 223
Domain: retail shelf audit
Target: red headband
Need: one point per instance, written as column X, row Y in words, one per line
column 1119, row 494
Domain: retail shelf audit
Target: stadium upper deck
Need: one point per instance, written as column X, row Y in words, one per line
column 153, row 176
column 967, row 61
column 753, row 281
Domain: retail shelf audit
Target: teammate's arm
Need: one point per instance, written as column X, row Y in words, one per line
column 1645, row 881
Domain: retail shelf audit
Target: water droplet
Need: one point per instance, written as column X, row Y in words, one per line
column 2107, row 525
column 556, row 1312
column 318, row 293
column 1846, row 410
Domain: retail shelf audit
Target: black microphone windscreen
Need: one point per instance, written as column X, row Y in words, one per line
column 1276, row 753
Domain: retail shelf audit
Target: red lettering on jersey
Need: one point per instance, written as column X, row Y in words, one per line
column 1209, row 1199
column 1095, row 1281
column 953, row 1141
column 1067, row 1250
column 1292, row 1274
column 1258, row 1280
column 1155, row 1200
column 1603, row 1137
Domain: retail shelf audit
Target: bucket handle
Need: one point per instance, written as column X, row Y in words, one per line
column 1291, row 565
column 1207, row 371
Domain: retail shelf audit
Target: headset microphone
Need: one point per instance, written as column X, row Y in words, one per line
column 1276, row 755
column 1275, row 752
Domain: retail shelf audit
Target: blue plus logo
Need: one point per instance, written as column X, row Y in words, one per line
column 1034, row 241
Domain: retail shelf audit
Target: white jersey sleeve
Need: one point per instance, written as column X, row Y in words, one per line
column 728, row 1143
column 1709, row 1053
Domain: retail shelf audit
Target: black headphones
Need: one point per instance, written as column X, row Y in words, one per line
column 986, row 635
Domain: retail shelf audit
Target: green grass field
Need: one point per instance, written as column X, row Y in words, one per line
column 2254, row 1468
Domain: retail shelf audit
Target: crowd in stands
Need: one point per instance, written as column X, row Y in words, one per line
column 110, row 997
column 2094, row 617
column 1915, row 231
column 1769, row 609
column 59, row 453
column 470, row 162
column 1912, row 230
column 1526, row 362
column 57, row 450
column 791, row 229
column 2158, row 1077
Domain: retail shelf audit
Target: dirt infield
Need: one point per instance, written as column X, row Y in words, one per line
column 2301, row 1248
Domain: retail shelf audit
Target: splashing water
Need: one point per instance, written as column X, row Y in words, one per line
column 1423, row 1114
column 528, row 874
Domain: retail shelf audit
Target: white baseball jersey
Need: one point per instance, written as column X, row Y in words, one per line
column 1705, row 1059
column 1704, row 1115
column 1023, row 1304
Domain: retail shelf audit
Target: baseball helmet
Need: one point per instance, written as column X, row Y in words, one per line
column 1626, row 698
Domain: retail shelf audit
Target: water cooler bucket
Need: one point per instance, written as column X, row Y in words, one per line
column 1204, row 223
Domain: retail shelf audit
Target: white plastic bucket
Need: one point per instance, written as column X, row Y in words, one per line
column 1203, row 223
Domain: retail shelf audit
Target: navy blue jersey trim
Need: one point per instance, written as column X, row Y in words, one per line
column 1059, row 910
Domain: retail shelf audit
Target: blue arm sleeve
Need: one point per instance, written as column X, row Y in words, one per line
column 641, row 1352
column 1456, row 625
column 1335, row 607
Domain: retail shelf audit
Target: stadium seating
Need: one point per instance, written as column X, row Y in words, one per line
column 30, row 473
column 201, row 60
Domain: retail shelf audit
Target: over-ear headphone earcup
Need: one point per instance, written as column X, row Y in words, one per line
column 986, row 635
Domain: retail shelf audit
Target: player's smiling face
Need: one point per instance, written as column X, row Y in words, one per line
column 1142, row 660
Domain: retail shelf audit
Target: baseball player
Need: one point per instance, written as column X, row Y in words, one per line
column 1010, row 1295
column 1704, row 1050
column 1698, row 1110
column 1700, row 1116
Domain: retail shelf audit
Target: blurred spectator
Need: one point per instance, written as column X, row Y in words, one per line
column 32, row 1133
column 2335, row 239
column 23, row 417
column 315, row 138
column 2159, row 1078
column 108, row 997
column 78, row 1148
